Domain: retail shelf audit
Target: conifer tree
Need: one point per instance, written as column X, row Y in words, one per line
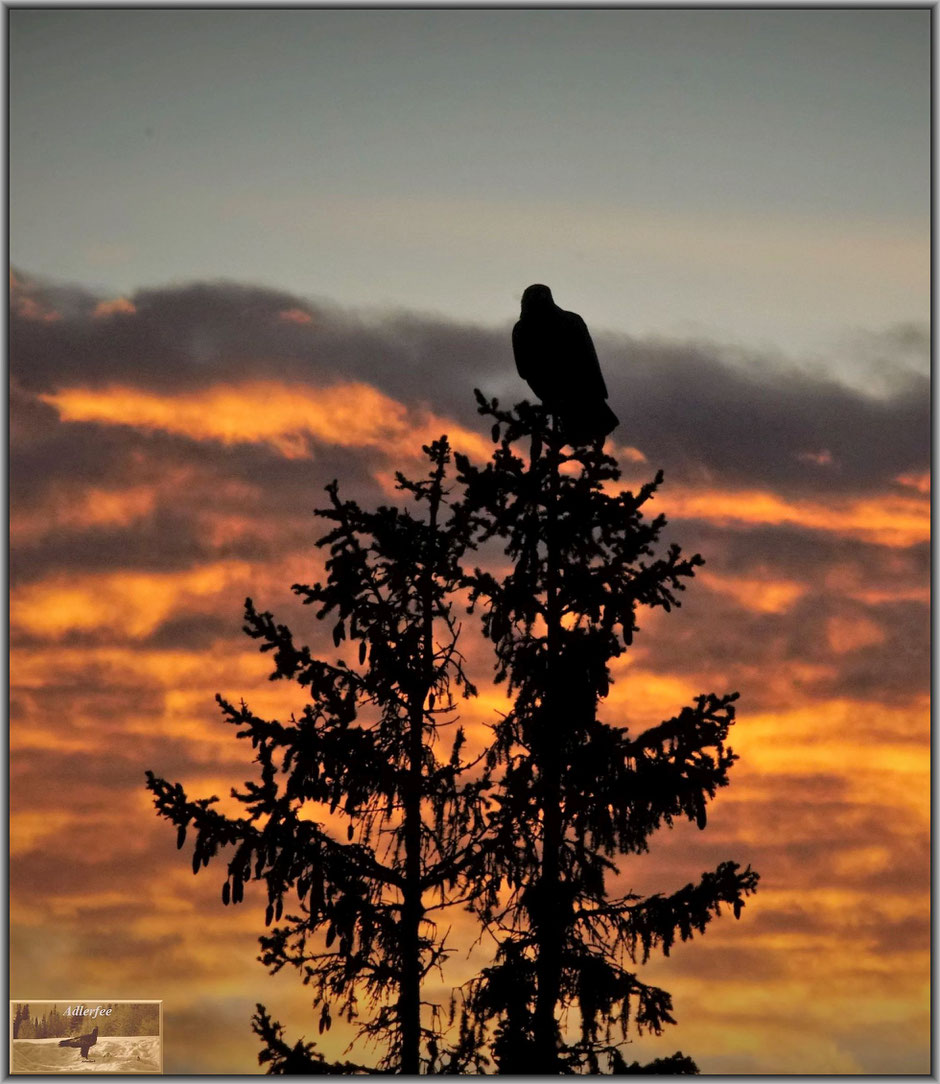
column 300, row 1059
column 358, row 828
column 21, row 1014
column 575, row 791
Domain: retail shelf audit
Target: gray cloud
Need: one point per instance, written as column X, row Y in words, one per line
column 800, row 553
column 700, row 416
column 694, row 409
column 721, row 635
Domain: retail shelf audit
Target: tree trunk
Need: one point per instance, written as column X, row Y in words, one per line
column 549, row 931
column 409, row 1002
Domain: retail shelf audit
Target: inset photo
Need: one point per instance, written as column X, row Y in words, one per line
column 86, row 1036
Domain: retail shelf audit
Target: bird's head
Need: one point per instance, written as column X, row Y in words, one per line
column 536, row 299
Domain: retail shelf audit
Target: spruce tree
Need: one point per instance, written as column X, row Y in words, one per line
column 358, row 827
column 360, row 821
column 574, row 791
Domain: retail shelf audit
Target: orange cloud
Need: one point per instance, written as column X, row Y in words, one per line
column 94, row 508
column 31, row 309
column 128, row 603
column 625, row 452
column 32, row 827
column 888, row 519
column 295, row 316
column 849, row 634
column 920, row 482
column 880, row 752
column 765, row 595
column 120, row 306
column 207, row 499
column 639, row 698
column 899, row 584
column 286, row 417
column 875, row 596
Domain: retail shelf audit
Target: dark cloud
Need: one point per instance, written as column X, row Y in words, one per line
column 117, row 781
column 187, row 337
column 692, row 408
column 861, row 642
column 194, row 632
column 712, row 958
column 101, row 699
column 702, row 418
column 89, row 858
column 890, row 670
column 802, row 554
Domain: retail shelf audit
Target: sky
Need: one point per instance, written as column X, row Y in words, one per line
column 254, row 251
column 756, row 176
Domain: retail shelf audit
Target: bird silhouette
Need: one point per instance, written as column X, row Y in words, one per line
column 556, row 357
column 84, row 1042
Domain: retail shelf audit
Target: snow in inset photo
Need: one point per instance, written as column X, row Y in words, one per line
column 86, row 1036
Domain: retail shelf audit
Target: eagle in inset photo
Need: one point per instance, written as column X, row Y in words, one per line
column 556, row 357
column 83, row 1042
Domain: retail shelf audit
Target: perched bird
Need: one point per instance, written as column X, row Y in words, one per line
column 84, row 1042
column 555, row 355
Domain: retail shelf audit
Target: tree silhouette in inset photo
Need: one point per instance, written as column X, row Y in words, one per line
column 367, row 829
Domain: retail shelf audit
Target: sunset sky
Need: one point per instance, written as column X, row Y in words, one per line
column 254, row 251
